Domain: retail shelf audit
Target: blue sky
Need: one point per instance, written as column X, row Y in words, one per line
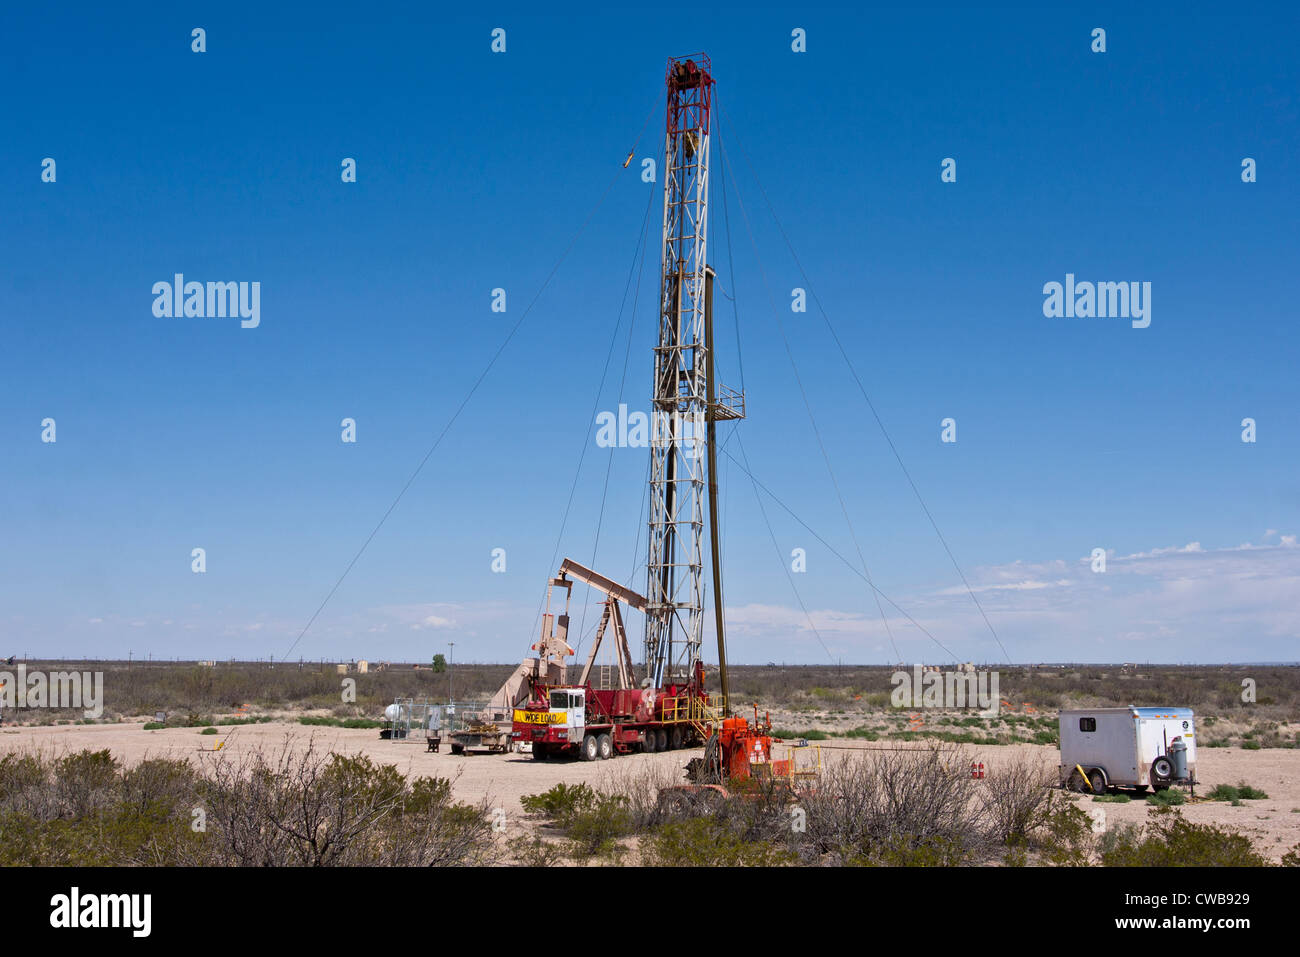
column 475, row 169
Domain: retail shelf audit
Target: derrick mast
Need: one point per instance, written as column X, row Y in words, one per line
column 680, row 401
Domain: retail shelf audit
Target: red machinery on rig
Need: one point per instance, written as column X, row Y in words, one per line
column 589, row 722
column 669, row 707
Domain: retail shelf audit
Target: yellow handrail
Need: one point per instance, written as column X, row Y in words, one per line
column 691, row 709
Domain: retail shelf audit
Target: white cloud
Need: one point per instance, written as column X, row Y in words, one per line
column 1191, row 548
column 1169, row 604
column 1026, row 585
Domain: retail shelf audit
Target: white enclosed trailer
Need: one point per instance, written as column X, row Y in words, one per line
column 1127, row 747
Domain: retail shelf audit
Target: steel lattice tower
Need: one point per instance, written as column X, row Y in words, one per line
column 674, row 619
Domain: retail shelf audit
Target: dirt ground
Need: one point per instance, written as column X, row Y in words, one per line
column 1273, row 824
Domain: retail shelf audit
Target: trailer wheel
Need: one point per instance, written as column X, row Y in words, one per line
column 1162, row 770
column 605, row 747
column 590, row 750
column 648, row 745
column 540, row 753
column 661, row 739
column 1098, row 781
column 676, row 740
column 1077, row 782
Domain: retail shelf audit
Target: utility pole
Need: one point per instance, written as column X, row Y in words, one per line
column 451, row 661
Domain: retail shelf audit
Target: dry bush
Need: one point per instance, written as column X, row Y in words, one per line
column 709, row 842
column 1016, row 797
column 85, row 782
column 26, row 786
column 639, row 785
column 1169, row 840
column 875, row 806
column 82, row 809
column 320, row 809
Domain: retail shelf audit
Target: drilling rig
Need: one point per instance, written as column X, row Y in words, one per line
column 669, row 707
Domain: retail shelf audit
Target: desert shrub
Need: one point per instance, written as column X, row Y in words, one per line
column 1118, row 835
column 1112, row 799
column 113, row 837
column 168, row 780
column 535, row 851
column 641, row 787
column 84, row 780
column 81, row 809
column 596, row 829
column 561, row 802
column 1016, row 855
column 426, row 794
column 1016, row 798
column 24, row 782
column 1066, row 838
column 314, row 721
column 1170, row 797
column 1292, row 857
column 812, row 734
column 877, row 803
column 933, row 852
column 208, row 731
column 1251, row 746
column 708, row 842
column 1236, row 794
column 315, row 809
column 864, row 733
column 1172, row 841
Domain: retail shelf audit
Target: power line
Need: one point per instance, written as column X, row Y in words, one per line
column 832, row 550
column 861, row 388
column 586, row 443
column 465, row 401
column 780, row 556
column 844, row 510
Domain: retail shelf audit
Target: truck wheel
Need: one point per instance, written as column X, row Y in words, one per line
column 540, row 753
column 590, row 750
column 1098, row 782
column 648, row 745
column 605, row 747
column 675, row 741
column 661, row 739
